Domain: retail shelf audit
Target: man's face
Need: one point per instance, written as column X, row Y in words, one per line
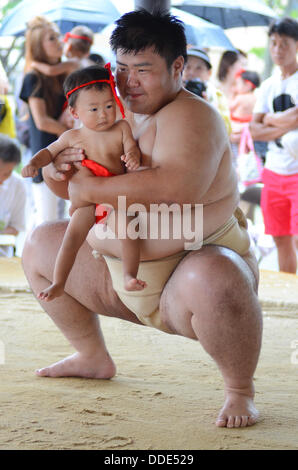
column 144, row 81
column 6, row 169
column 283, row 49
column 196, row 68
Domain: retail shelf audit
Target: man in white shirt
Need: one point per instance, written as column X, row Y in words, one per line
column 275, row 119
column 12, row 191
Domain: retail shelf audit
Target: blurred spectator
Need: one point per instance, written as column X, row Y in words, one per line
column 76, row 49
column 197, row 79
column 230, row 63
column 12, row 192
column 45, row 99
column 275, row 114
column 7, row 125
column 242, row 105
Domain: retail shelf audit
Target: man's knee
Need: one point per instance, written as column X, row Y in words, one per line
column 215, row 278
column 40, row 242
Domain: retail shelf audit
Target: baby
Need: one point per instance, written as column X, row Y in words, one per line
column 242, row 105
column 76, row 49
column 109, row 146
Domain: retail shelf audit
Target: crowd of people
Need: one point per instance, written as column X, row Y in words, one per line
column 234, row 91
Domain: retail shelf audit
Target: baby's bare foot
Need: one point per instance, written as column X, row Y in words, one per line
column 55, row 290
column 131, row 283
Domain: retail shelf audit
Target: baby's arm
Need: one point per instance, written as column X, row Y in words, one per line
column 132, row 154
column 46, row 155
column 80, row 223
column 56, row 69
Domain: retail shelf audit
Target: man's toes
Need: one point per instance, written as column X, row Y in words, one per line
column 231, row 422
column 244, row 421
column 42, row 372
column 252, row 420
column 221, row 422
column 237, row 423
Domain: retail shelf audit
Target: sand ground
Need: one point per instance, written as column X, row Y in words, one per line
column 167, row 390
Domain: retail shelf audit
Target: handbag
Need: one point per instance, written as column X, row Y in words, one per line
column 249, row 164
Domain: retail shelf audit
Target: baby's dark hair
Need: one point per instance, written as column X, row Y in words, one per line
column 79, row 77
column 138, row 30
column 284, row 27
column 252, row 77
column 9, row 151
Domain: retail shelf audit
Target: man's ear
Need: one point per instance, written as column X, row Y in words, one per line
column 178, row 65
column 73, row 112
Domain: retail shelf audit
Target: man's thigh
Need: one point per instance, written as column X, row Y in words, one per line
column 203, row 281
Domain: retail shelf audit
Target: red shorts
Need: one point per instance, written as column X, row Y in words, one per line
column 279, row 202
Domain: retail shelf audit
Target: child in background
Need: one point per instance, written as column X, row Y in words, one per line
column 241, row 107
column 109, row 146
column 77, row 49
column 12, row 192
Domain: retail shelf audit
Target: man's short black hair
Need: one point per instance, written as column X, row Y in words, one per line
column 9, row 151
column 138, row 30
column 284, row 27
column 79, row 77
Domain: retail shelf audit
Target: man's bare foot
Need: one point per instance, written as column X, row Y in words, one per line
column 238, row 411
column 55, row 290
column 131, row 283
column 78, row 365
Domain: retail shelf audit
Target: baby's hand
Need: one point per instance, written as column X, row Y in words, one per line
column 131, row 160
column 29, row 170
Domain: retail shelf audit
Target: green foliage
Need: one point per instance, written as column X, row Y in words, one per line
column 9, row 4
column 258, row 51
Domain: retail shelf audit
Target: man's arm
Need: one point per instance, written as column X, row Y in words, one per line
column 264, row 132
column 286, row 120
column 189, row 143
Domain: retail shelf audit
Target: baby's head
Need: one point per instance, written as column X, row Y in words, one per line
column 91, row 98
column 78, row 42
column 246, row 81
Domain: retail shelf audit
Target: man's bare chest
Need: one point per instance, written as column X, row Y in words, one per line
column 144, row 132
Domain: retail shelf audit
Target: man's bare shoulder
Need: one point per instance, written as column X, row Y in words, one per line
column 187, row 103
column 195, row 113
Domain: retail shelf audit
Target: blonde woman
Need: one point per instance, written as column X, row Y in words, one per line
column 45, row 99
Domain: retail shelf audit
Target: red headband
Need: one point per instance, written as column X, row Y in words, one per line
column 76, row 36
column 111, row 82
column 239, row 74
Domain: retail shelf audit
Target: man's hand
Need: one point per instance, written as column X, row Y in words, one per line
column 63, row 166
column 131, row 160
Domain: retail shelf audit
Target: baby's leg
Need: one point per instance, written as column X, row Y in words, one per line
column 77, row 230
column 130, row 255
column 131, row 259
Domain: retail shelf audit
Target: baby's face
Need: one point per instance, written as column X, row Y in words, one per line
column 96, row 109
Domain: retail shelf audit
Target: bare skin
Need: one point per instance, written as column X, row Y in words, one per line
column 218, row 304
